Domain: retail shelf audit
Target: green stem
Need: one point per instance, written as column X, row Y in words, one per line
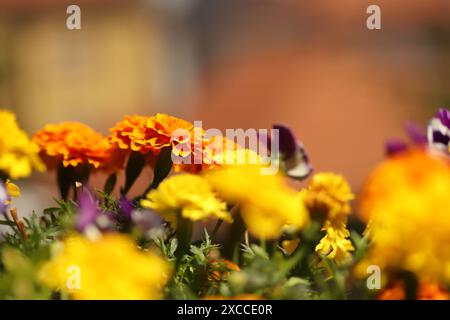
column 337, row 278
column 216, row 228
column 134, row 167
column 162, row 168
column 294, row 259
column 262, row 243
column 184, row 236
column 237, row 230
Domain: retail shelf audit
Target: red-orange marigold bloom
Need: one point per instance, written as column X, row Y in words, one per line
column 73, row 144
column 426, row 290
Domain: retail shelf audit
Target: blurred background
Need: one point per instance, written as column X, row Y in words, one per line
column 312, row 65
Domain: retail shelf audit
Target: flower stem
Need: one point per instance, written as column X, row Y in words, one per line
column 184, row 236
column 216, row 228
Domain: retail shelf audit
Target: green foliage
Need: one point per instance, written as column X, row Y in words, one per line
column 266, row 276
column 200, row 268
column 19, row 277
column 194, row 271
column 22, row 252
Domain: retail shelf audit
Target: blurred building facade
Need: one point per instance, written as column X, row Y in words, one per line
column 128, row 57
column 310, row 64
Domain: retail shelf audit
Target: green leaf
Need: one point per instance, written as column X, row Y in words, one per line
column 7, row 223
column 294, row 281
column 184, row 235
column 110, row 184
column 173, row 245
column 51, row 210
column 135, row 164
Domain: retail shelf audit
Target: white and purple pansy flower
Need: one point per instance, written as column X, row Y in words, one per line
column 437, row 136
column 4, row 197
column 293, row 153
column 439, row 130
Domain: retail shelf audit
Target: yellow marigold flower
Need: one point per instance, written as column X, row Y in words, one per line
column 266, row 203
column 186, row 194
column 407, row 200
column 74, row 144
column 330, row 194
column 18, row 154
column 147, row 134
column 111, row 267
column 335, row 244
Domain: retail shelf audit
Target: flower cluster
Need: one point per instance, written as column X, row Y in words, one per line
column 271, row 237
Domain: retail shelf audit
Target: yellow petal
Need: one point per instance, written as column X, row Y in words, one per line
column 13, row 189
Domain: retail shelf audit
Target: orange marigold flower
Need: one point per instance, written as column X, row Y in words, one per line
column 126, row 132
column 147, row 135
column 221, row 268
column 74, row 144
column 426, row 290
column 432, row 291
column 163, row 126
column 395, row 292
column 211, row 153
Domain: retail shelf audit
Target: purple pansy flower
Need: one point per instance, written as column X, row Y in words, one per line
column 294, row 154
column 87, row 210
column 395, row 146
column 89, row 213
column 439, row 130
column 4, row 197
column 126, row 207
column 416, row 133
column 146, row 220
